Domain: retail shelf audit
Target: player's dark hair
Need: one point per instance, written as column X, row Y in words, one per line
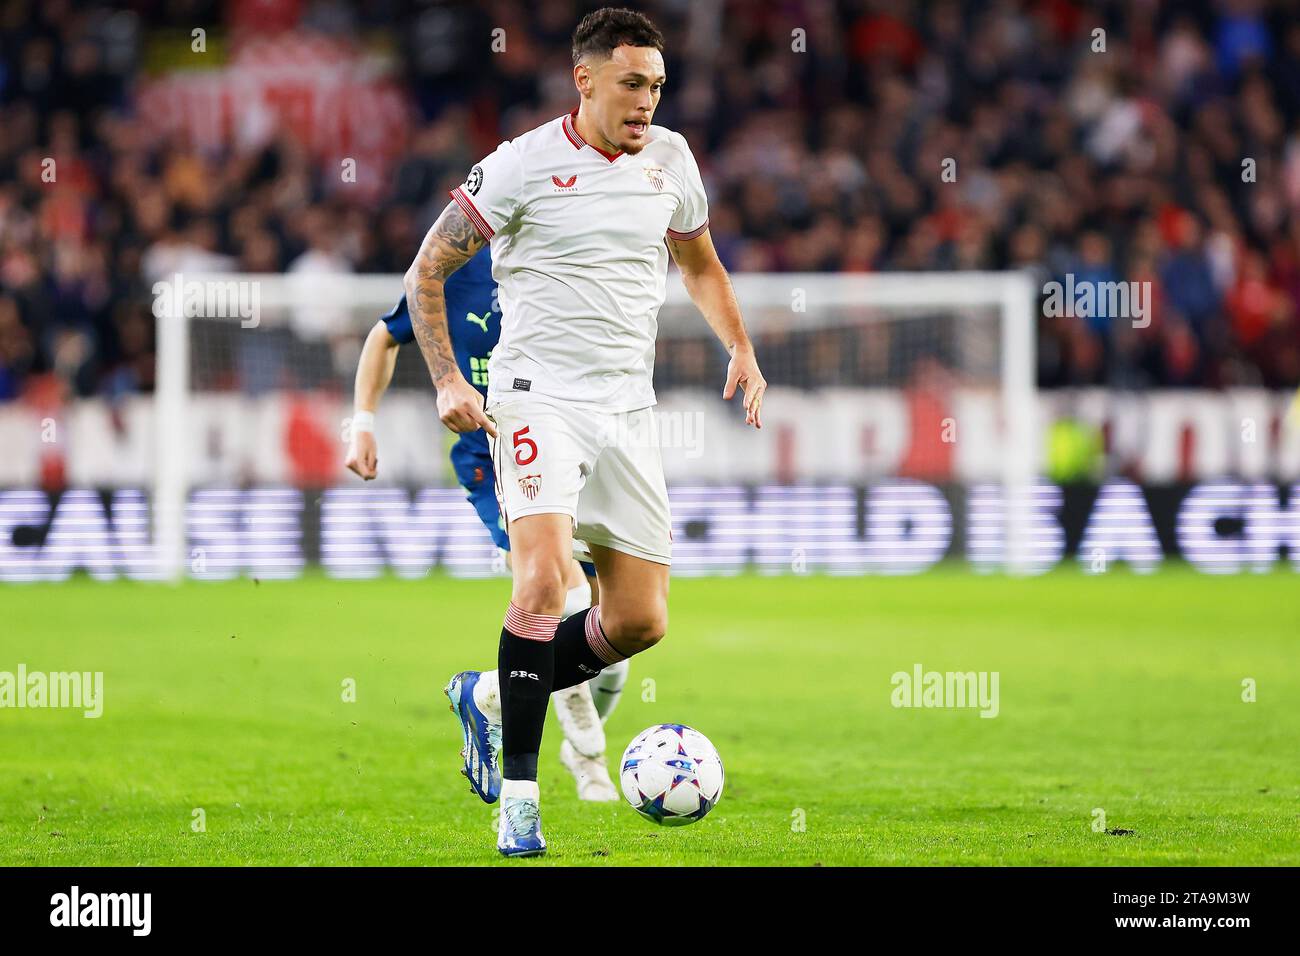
column 603, row 31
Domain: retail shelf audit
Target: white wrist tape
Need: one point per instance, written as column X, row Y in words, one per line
column 363, row 422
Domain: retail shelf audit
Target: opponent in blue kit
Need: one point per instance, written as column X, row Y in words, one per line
column 474, row 318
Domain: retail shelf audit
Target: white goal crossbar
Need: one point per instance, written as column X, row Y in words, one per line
column 775, row 300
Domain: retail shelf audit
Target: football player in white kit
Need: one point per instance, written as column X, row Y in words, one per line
column 577, row 212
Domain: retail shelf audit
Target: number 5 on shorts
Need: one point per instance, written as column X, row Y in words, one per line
column 520, row 441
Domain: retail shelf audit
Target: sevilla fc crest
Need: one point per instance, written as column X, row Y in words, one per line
column 530, row 485
column 656, row 176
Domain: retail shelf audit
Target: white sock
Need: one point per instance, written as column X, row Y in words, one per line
column 576, row 599
column 521, row 789
column 487, row 696
column 607, row 688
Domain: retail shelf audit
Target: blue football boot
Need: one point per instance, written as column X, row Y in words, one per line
column 482, row 737
column 519, row 832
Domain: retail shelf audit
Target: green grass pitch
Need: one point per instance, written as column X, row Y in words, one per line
column 1119, row 692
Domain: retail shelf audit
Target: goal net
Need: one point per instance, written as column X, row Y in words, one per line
column 898, row 431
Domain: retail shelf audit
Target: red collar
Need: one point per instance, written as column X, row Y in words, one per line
column 571, row 131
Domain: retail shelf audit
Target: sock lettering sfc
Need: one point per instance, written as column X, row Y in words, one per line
column 526, row 670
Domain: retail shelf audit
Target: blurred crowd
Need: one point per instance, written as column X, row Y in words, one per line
column 1143, row 141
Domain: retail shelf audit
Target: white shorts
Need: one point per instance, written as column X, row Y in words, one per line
column 601, row 469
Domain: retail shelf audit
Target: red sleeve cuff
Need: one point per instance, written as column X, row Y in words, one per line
column 694, row 233
column 471, row 211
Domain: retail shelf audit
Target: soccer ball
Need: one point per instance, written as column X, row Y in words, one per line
column 671, row 774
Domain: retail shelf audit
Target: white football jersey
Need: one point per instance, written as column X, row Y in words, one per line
column 578, row 252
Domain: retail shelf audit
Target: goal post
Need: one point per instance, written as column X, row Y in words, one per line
column 871, row 360
column 171, row 407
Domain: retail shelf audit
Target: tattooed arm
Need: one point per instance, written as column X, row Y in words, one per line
column 451, row 242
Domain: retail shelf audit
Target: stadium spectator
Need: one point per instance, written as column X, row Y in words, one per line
column 1171, row 156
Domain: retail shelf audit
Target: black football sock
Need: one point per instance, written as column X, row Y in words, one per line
column 526, row 668
column 581, row 649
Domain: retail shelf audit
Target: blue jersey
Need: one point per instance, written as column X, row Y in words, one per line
column 474, row 322
column 473, row 319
